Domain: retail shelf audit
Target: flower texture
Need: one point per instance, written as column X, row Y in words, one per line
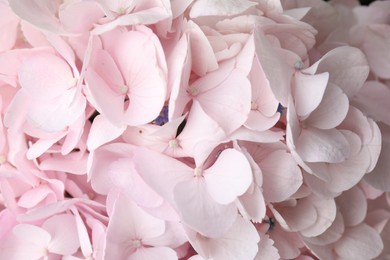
column 194, row 129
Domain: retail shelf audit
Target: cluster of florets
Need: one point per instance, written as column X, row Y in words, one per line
column 194, row 129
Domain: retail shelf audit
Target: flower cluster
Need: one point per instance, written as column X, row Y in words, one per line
column 194, row 129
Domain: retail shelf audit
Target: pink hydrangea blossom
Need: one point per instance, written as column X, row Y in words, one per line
column 194, row 129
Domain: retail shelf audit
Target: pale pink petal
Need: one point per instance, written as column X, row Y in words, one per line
column 58, row 113
column 253, row 205
column 373, row 100
column 38, row 14
column 281, row 176
column 153, row 253
column 32, row 35
column 229, row 177
column 296, row 217
column 35, row 196
column 267, row 136
column 102, row 132
column 207, row 62
column 347, row 67
column 80, row 16
column 374, row 46
column 166, row 176
column 276, row 71
column 332, row 234
column 326, row 213
column 316, row 145
column 64, row 237
column 42, row 145
column 239, row 242
column 75, row 166
column 15, row 115
column 45, row 76
column 332, row 110
column 194, row 133
column 352, row 204
column 100, row 161
column 287, row 243
column 219, row 7
column 145, row 79
column 9, row 25
column 199, row 211
column 148, row 16
column 82, row 233
column 380, row 177
column 179, row 63
column 124, row 176
column 128, row 222
column 229, row 102
column 25, row 242
column 309, row 91
column 108, row 102
column 257, row 121
column 359, row 242
column 267, row 249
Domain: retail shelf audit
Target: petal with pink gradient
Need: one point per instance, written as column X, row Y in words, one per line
column 164, row 178
column 239, row 242
column 198, row 209
column 281, row 176
column 39, row 13
column 125, row 177
column 332, row 234
column 331, row 111
column 229, row 177
column 359, row 242
column 25, row 242
column 108, row 102
column 233, row 95
column 80, row 16
column 326, row 213
column 219, row 7
column 309, row 91
column 276, row 70
column 347, row 67
column 129, row 222
column 352, row 204
column 145, row 79
column 315, row 145
column 63, row 231
column 153, row 253
column 267, row 249
column 45, row 76
column 9, row 24
column 102, row 132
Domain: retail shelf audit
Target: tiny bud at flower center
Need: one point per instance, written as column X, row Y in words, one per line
column 136, row 243
column 198, row 172
column 123, row 89
column 193, row 91
column 173, row 143
column 298, row 65
column 254, row 105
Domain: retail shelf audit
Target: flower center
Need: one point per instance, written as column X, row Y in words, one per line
column 173, row 143
column 198, row 172
column 254, row 105
column 193, row 91
column 123, row 89
column 136, row 243
column 298, row 65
